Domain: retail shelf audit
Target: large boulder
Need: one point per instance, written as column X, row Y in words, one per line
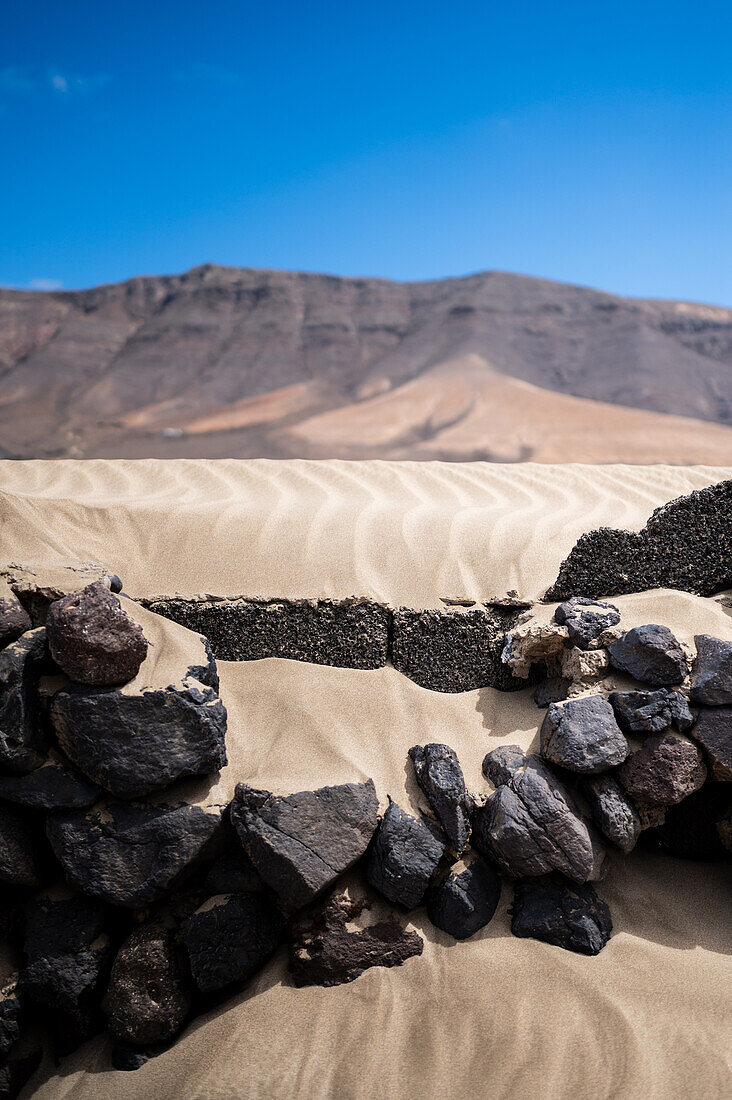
column 650, row 654
column 53, row 786
column 612, row 811
column 711, row 671
column 229, row 938
column 300, row 843
column 14, row 619
column 465, row 900
column 149, row 992
column 665, row 770
column 404, row 857
column 713, row 731
column 440, row 776
column 92, row 639
column 563, row 914
column 22, row 741
column 645, row 712
column 346, row 936
column 586, row 620
column 583, row 736
column 530, row 825
column 19, row 863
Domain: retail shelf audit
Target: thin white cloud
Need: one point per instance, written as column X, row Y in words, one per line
column 45, row 284
column 68, row 83
column 17, row 80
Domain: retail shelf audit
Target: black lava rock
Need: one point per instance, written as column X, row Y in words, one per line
column 650, row 654
column 22, row 742
column 586, row 619
column 19, row 864
column 229, row 938
column 92, row 639
column 11, row 1015
column 552, row 690
column 645, row 712
column 691, row 829
column 301, row 843
column 713, row 731
column 232, row 873
column 563, row 914
column 465, row 901
column 711, row 671
column 149, row 992
column 583, row 736
column 326, row 949
column 664, row 771
column 134, row 742
column 404, row 857
column 441, row 778
column 612, row 811
column 53, row 786
column 14, row 619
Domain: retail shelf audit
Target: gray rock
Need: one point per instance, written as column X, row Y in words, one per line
column 404, row 857
column 229, row 938
column 586, row 619
column 22, row 742
column 92, row 639
column 149, row 992
column 465, row 901
column 552, row 690
column 301, row 843
column 128, row 853
column 135, row 741
column 646, row 712
column 19, row 865
column 711, row 671
column 612, row 811
column 664, row 770
column 713, row 731
column 14, row 619
column 53, row 786
column 531, row 825
column 568, row 916
column 11, row 1015
column 341, row 940
column 441, row 778
column 583, row 736
column 650, row 654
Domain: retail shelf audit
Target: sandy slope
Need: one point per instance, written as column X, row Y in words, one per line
column 496, row 1016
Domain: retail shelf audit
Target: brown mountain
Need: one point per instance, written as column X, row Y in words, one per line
column 240, row 362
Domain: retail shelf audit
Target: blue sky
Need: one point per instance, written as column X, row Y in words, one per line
column 587, row 143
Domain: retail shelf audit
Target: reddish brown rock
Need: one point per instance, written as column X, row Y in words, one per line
column 93, row 639
column 665, row 770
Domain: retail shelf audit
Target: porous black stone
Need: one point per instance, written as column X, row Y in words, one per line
column 229, row 938
column 14, row 619
column 586, row 619
column 347, row 633
column 650, row 654
column 404, row 857
column 645, row 712
column 465, row 901
column 563, row 914
column 552, row 690
column 22, row 741
column 53, row 786
column 583, row 736
column 441, row 778
column 692, row 829
column 612, row 811
column 11, row 1015
column 711, row 671
column 713, row 731
column 19, row 863
column 93, row 639
column 232, row 873
column 300, row 843
column 149, row 992
column 685, row 544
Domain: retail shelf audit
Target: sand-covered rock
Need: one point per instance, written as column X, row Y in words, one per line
column 39, row 584
column 92, row 638
column 563, row 914
column 582, row 736
column 465, row 901
column 229, row 938
column 404, row 857
column 441, row 779
column 22, row 741
column 650, row 654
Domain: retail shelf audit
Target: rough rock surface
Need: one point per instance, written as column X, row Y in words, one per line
column 586, row 619
column 348, row 633
column 19, row 864
column 650, row 654
column 583, row 668
column 694, row 829
column 535, row 643
column 128, row 853
column 646, row 712
column 583, row 736
column 612, row 811
column 554, row 689
column 713, row 731
column 453, row 650
column 22, row 1062
column 39, row 584
column 149, row 992
column 14, row 619
column 229, row 938
column 441, row 778
column 53, row 786
column 22, row 743
column 465, row 901
column 300, row 843
column 664, row 770
column 568, row 916
column 11, row 1015
column 711, row 671
column 530, row 825
column 685, row 545
column 132, row 742
column 93, row 639
column 340, row 941
column 232, row 873
column 404, row 857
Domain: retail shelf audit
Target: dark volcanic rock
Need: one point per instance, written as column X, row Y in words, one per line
column 530, row 825
column 19, row 865
column 586, row 619
column 92, row 639
column 22, row 1062
column 14, row 619
column 22, row 743
column 133, row 742
column 229, row 938
column 300, row 843
column 11, row 1015
column 131, row 853
column 53, row 786
column 347, row 633
column 691, row 829
column 685, row 545
column 583, row 736
column 149, row 992
column 465, row 901
column 664, row 770
column 453, row 650
column 554, row 689
column 404, row 857
column 651, row 711
column 711, row 671
column 232, row 873
column 441, row 778
column 568, row 916
column 612, row 811
column 650, row 654
column 326, row 949
column 713, row 731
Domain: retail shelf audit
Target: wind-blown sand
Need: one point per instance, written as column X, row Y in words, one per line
column 498, row 1016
